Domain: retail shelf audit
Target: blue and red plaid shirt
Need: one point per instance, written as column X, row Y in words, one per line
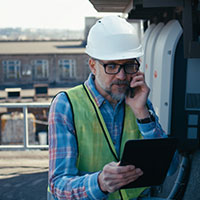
column 65, row 180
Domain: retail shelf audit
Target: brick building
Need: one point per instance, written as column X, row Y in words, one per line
column 56, row 63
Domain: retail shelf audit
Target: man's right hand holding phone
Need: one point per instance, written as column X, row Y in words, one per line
column 141, row 93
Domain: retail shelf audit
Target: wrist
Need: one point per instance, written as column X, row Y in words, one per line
column 100, row 183
column 141, row 113
column 146, row 120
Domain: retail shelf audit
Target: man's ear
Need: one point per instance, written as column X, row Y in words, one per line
column 92, row 65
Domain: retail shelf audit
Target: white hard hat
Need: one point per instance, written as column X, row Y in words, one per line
column 113, row 38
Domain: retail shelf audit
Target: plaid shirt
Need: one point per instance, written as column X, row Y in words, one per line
column 65, row 180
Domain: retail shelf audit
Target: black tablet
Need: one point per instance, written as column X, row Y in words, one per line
column 152, row 156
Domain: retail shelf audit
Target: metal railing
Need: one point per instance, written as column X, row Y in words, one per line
column 25, row 107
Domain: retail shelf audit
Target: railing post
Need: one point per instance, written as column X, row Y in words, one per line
column 25, row 111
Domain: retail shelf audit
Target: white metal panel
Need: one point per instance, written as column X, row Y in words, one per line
column 163, row 71
column 149, row 56
column 144, row 43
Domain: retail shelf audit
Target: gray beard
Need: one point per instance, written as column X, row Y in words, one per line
column 121, row 95
column 116, row 97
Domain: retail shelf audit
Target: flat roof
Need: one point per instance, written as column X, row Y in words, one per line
column 41, row 47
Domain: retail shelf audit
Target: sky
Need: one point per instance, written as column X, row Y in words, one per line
column 59, row 14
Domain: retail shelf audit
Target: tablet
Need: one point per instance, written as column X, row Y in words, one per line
column 152, row 156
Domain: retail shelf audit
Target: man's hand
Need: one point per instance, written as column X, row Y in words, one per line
column 113, row 176
column 141, row 92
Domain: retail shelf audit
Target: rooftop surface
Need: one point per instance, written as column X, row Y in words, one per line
column 28, row 94
column 23, row 175
column 41, row 47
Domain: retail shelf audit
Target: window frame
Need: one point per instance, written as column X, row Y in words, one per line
column 44, row 64
column 16, row 74
column 71, row 65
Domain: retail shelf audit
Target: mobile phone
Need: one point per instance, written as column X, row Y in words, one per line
column 131, row 90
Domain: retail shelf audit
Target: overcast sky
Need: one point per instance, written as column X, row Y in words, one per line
column 61, row 14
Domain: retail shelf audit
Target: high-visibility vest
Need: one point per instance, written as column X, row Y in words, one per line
column 95, row 146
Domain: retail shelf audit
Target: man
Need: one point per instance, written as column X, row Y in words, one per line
column 89, row 124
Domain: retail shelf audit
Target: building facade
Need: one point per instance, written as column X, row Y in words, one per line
column 54, row 63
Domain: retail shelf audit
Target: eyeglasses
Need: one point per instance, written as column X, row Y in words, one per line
column 129, row 68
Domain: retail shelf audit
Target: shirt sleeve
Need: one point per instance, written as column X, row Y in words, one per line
column 152, row 129
column 65, row 180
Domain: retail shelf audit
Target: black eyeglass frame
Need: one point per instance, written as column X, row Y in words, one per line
column 121, row 66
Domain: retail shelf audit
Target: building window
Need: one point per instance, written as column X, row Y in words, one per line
column 11, row 69
column 41, row 69
column 67, row 68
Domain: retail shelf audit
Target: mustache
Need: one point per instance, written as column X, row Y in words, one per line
column 119, row 82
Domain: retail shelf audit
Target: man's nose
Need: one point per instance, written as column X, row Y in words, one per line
column 121, row 75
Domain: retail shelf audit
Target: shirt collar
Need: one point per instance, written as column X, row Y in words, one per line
column 99, row 99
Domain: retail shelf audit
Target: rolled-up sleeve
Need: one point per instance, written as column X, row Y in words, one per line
column 152, row 129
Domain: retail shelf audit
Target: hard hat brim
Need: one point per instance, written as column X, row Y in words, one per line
column 117, row 56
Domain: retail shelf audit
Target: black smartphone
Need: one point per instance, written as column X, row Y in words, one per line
column 130, row 90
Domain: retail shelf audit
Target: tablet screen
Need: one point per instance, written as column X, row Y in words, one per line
column 152, row 156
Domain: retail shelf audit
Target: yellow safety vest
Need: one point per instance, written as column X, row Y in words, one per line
column 95, row 146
